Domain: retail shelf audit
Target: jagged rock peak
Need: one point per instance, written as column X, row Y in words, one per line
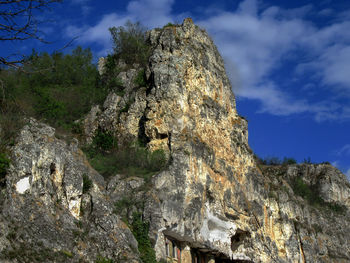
column 189, row 86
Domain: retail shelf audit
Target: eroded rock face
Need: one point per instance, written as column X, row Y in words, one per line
column 191, row 113
column 47, row 212
column 120, row 114
column 212, row 199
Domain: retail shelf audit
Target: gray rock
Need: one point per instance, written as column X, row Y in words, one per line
column 212, row 198
column 46, row 211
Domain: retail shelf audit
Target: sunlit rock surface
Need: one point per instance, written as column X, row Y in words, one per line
column 213, row 201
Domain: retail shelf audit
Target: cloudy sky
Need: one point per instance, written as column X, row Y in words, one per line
column 288, row 61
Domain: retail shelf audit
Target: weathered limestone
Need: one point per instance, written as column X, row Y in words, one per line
column 46, row 211
column 212, row 202
column 213, row 198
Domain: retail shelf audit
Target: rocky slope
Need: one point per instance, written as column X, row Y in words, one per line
column 213, row 200
column 47, row 215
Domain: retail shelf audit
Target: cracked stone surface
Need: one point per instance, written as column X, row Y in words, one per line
column 213, row 195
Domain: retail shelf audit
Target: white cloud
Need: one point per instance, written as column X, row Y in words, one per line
column 339, row 166
column 158, row 12
column 84, row 4
column 254, row 43
column 326, row 12
column 332, row 64
column 345, row 150
column 99, row 33
column 157, row 15
column 335, row 163
column 248, row 7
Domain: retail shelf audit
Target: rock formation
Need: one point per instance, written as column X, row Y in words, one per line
column 213, row 201
column 47, row 215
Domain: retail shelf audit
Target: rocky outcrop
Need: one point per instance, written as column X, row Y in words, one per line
column 316, row 217
column 56, row 208
column 121, row 112
column 213, row 200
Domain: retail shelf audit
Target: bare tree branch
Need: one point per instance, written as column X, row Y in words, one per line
column 18, row 22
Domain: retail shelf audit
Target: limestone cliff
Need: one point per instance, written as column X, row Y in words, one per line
column 213, row 197
column 47, row 214
column 213, row 201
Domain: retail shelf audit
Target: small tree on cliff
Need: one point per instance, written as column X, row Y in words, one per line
column 130, row 43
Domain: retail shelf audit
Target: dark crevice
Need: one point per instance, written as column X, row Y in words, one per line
column 238, row 238
column 52, row 168
column 150, row 83
column 210, row 196
column 169, row 141
column 142, row 137
column 161, row 136
column 231, row 217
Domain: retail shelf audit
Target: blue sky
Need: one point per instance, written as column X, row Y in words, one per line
column 288, row 61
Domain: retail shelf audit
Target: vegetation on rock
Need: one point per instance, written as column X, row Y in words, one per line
column 276, row 161
column 4, row 164
column 101, row 259
column 132, row 159
column 140, row 79
column 130, row 43
column 87, row 183
column 57, row 88
column 312, row 196
column 140, row 230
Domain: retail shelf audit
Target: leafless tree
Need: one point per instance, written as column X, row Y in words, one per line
column 19, row 22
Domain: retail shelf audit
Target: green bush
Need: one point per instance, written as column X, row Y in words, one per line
column 131, row 159
column 77, row 128
column 272, row 161
column 126, row 107
column 58, row 88
column 11, row 120
column 103, row 140
column 340, row 209
column 110, row 79
column 130, row 43
column 123, row 203
column 307, row 160
column 312, row 196
column 288, row 161
column 4, row 165
column 87, row 183
column 67, row 253
column 304, row 190
column 101, row 259
column 104, row 164
column 157, row 160
column 275, row 160
column 169, row 25
column 110, row 64
column 115, row 83
column 140, row 231
column 140, row 79
column 101, row 143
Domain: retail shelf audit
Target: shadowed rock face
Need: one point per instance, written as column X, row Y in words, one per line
column 46, row 216
column 212, row 197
